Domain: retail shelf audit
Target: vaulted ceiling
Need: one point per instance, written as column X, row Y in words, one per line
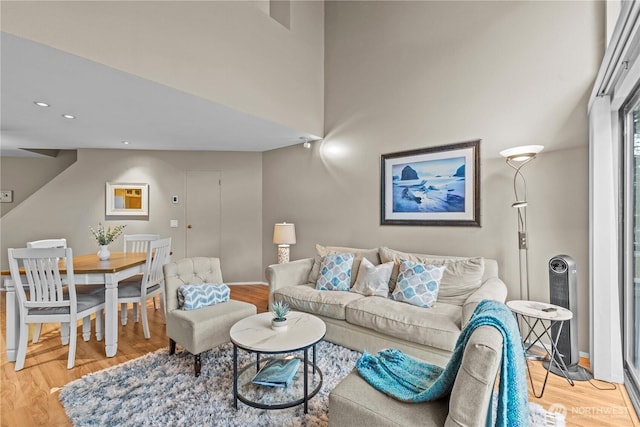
column 111, row 107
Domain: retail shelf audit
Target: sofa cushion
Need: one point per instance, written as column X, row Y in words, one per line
column 201, row 330
column 462, row 277
column 417, row 283
column 306, row 298
column 373, row 279
column 335, row 272
column 370, row 254
column 438, row 326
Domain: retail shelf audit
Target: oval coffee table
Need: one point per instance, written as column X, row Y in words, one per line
column 254, row 334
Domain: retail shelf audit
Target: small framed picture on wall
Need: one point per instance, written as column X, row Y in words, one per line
column 127, row 199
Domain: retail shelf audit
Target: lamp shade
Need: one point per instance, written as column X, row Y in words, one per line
column 521, row 153
column 284, row 234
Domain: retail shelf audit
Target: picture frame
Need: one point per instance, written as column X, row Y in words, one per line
column 434, row 186
column 123, row 199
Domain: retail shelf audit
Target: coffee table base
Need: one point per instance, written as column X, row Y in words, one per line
column 307, row 394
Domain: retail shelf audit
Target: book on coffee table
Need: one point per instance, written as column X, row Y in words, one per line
column 277, row 372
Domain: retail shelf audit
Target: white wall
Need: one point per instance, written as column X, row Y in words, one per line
column 25, row 175
column 407, row 75
column 75, row 200
column 230, row 52
column 395, row 75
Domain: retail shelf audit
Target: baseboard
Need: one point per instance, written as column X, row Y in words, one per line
column 247, row 283
column 3, row 289
column 581, row 354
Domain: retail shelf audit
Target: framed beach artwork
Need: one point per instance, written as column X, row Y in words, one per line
column 432, row 186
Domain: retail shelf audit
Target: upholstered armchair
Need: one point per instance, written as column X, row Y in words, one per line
column 205, row 328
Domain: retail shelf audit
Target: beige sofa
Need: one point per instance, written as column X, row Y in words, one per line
column 373, row 323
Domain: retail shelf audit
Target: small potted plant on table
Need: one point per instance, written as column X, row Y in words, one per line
column 279, row 321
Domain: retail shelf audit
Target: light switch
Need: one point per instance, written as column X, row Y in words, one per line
column 174, row 200
column 6, row 196
column 173, row 223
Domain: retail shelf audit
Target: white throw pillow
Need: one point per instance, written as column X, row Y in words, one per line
column 373, row 279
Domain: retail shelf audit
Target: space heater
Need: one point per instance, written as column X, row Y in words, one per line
column 563, row 292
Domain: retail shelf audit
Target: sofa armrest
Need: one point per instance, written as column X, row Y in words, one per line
column 470, row 397
column 493, row 289
column 288, row 274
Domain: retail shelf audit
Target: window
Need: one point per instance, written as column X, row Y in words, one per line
column 631, row 243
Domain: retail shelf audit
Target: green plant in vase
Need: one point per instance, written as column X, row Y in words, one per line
column 280, row 311
column 105, row 237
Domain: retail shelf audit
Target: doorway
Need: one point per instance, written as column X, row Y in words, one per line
column 202, row 214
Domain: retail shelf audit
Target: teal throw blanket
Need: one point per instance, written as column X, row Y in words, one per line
column 410, row 380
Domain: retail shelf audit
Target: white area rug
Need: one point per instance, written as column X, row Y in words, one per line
column 159, row 389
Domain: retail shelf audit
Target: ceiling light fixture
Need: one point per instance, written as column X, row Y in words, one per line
column 306, row 143
column 41, row 104
column 125, row 142
column 68, row 116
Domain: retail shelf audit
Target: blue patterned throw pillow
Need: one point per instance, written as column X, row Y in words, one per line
column 193, row 297
column 417, row 283
column 335, row 272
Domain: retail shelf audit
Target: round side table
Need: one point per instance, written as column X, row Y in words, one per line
column 545, row 316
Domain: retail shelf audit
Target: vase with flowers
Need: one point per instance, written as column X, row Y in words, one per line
column 105, row 237
column 279, row 321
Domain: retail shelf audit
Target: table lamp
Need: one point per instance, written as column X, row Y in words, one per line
column 284, row 234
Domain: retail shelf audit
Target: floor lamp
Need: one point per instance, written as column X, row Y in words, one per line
column 517, row 158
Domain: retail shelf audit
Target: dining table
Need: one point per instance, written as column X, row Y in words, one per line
column 87, row 270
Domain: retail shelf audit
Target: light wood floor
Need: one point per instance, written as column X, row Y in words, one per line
column 30, row 398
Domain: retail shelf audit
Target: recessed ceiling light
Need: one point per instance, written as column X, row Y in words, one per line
column 41, row 104
column 125, row 142
column 68, row 116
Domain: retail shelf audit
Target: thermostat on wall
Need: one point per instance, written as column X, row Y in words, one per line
column 6, row 196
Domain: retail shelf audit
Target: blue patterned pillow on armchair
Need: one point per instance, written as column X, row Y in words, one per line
column 335, row 272
column 418, row 284
column 193, row 297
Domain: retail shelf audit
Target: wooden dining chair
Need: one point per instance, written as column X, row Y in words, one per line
column 48, row 243
column 49, row 300
column 136, row 243
column 152, row 282
column 86, row 321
